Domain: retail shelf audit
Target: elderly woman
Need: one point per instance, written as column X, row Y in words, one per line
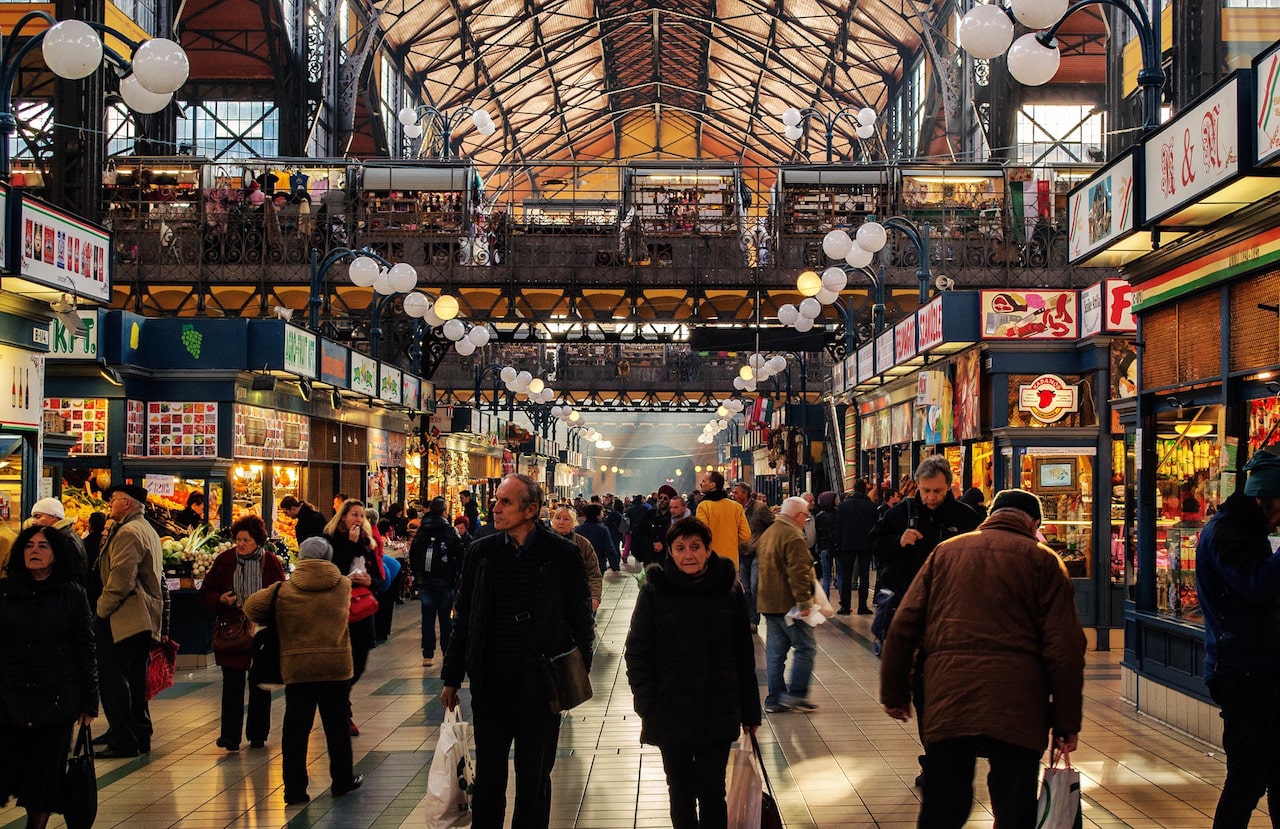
column 355, row 554
column 48, row 674
column 562, row 521
column 315, row 662
column 236, row 575
column 691, row 666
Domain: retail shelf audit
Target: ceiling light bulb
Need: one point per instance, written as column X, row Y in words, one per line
column 446, row 307
column 809, row 283
column 746, row 373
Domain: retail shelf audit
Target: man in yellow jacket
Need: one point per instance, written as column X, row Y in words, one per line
column 723, row 515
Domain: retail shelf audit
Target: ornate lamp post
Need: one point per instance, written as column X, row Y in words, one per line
column 1033, row 59
column 73, row 49
column 427, row 118
column 863, row 120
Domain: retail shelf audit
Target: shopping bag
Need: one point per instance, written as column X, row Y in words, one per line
column 80, row 784
column 770, row 815
column 264, row 670
column 745, row 789
column 1059, row 806
column 160, row 668
column 451, row 779
column 820, row 600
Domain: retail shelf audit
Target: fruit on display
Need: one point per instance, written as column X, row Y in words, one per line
column 78, row 503
column 199, row 548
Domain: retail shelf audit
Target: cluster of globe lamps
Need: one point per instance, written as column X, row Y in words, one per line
column 725, row 412
column 443, row 313
column 823, row 289
column 987, row 30
column 73, row 49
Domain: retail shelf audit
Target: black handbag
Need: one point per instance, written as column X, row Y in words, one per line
column 570, row 682
column 80, row 784
column 264, row 671
column 770, row 816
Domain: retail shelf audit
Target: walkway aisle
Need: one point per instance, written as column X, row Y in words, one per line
column 848, row 765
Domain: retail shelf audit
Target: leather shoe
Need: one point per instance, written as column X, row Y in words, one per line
column 257, row 744
column 103, row 739
column 865, row 611
column 297, row 799
column 111, row 753
column 844, row 611
column 221, row 743
column 356, row 782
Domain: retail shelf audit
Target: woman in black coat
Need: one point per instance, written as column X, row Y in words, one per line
column 691, row 666
column 48, row 673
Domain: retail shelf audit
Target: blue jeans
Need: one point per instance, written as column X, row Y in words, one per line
column 824, row 556
column 778, row 641
column 749, row 575
column 437, row 602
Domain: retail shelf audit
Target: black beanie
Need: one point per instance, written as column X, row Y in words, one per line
column 1018, row 499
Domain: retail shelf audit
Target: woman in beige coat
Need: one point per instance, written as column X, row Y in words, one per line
column 315, row 663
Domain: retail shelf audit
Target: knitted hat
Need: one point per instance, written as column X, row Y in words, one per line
column 49, row 506
column 1018, row 499
column 667, row 490
column 827, row 500
column 1264, row 475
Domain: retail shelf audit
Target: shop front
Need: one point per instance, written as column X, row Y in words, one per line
column 956, row 384
column 1205, row 300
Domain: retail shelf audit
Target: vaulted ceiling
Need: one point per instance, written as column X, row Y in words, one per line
column 604, row 79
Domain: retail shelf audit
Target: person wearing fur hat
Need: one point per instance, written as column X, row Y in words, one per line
column 1238, row 583
column 994, row 613
column 691, row 667
column 48, row 512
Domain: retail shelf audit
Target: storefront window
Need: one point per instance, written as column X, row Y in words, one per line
column 1065, row 486
column 11, row 463
column 1189, row 463
column 246, row 493
column 982, row 468
column 168, row 496
column 1124, row 531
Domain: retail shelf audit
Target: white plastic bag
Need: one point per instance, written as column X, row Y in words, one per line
column 820, row 600
column 1059, row 806
column 452, row 775
column 745, row 788
column 815, row 617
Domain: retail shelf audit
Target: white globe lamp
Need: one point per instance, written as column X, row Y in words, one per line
column 836, row 244
column 791, row 117
column 403, row 278
column 859, row 257
column 446, row 307
column 161, row 66
column 1032, row 63
column 72, row 49
column 1039, row 14
column 986, row 32
column 810, row 309
column 140, row 99
column 363, row 271
column 787, row 314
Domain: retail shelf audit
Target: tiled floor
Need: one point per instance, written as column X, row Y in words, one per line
column 847, row 765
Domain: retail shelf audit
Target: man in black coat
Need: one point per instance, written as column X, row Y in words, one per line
column 523, row 597
column 905, row 536
column 435, row 557
column 310, row 521
column 637, row 515
column 856, row 516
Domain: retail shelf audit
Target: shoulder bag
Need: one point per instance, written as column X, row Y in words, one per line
column 232, row 633
column 264, row 671
column 363, row 604
column 80, row 784
column 570, row 682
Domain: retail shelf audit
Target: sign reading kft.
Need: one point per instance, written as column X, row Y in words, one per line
column 1049, row 398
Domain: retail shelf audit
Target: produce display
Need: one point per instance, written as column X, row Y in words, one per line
column 199, row 549
column 79, row 503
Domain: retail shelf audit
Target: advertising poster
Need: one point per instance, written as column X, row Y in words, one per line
column 188, row 430
column 968, row 396
column 1030, row 315
column 86, row 418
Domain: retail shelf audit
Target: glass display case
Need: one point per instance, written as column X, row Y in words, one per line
column 1190, row 456
column 1064, row 484
column 982, row 468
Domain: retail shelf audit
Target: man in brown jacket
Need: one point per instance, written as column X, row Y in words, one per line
column 786, row 582
column 994, row 614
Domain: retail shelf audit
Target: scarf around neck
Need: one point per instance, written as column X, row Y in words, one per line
column 248, row 576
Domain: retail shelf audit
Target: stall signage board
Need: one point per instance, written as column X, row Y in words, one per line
column 299, row 351
column 1267, row 104
column 333, row 364
column 1049, row 398
column 267, row 434
column 1091, row 310
column 162, row 485
column 884, row 351
column 1194, row 153
column 866, row 362
column 929, row 324
column 364, row 374
column 389, row 383
column 1030, row 315
column 182, row 429
column 1101, row 210
column 22, row 373
column 63, row 345
column 904, row 340
column 1118, row 297
column 411, row 390
column 62, row 252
